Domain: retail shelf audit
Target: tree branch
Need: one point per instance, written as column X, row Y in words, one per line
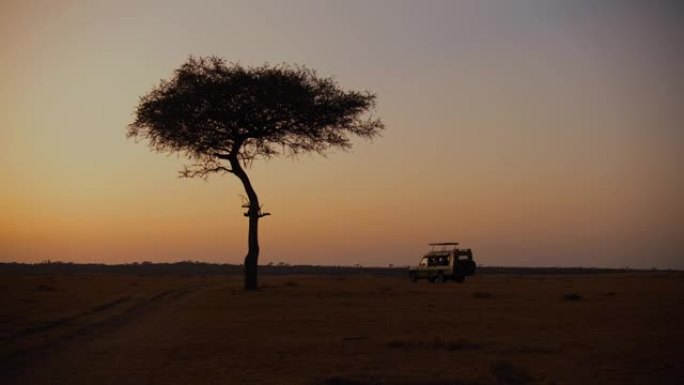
column 221, row 156
column 202, row 171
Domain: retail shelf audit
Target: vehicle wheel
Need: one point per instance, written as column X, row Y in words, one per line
column 470, row 267
column 439, row 278
column 413, row 277
column 459, row 278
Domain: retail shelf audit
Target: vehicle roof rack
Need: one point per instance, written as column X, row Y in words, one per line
column 443, row 244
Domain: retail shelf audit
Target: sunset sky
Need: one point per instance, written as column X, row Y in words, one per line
column 539, row 133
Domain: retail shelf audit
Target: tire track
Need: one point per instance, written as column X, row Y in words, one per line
column 38, row 342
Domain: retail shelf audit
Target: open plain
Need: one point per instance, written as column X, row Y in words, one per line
column 493, row 329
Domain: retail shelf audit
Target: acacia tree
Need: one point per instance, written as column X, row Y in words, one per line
column 223, row 116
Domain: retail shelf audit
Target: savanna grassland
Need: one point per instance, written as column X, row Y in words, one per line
column 493, row 329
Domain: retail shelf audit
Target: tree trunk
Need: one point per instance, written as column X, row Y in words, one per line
column 252, row 258
column 254, row 214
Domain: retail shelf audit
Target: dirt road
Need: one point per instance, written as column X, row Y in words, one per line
column 607, row 329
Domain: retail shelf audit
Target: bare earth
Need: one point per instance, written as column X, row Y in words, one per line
column 115, row 329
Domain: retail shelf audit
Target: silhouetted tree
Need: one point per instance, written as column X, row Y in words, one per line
column 224, row 116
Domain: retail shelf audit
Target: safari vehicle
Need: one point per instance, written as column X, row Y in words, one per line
column 444, row 262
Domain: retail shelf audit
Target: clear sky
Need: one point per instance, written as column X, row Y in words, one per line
column 539, row 133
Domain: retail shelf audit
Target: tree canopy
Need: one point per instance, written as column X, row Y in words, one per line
column 210, row 110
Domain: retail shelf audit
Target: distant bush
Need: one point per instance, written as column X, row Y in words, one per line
column 437, row 344
column 452, row 346
column 507, row 374
column 343, row 381
column 45, row 288
column 482, row 295
column 572, row 297
column 369, row 380
column 398, row 344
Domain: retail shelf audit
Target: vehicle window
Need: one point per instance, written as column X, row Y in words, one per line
column 438, row 260
column 424, row 262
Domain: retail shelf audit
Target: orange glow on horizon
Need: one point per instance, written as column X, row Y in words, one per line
column 544, row 136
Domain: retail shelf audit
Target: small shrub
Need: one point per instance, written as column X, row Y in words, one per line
column 453, row 346
column 507, row 374
column 342, row 381
column 398, row 344
column 534, row 350
column 482, row 295
column 572, row 297
column 291, row 284
column 45, row 288
column 392, row 380
column 437, row 344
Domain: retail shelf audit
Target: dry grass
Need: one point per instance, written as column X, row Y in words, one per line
column 341, row 330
